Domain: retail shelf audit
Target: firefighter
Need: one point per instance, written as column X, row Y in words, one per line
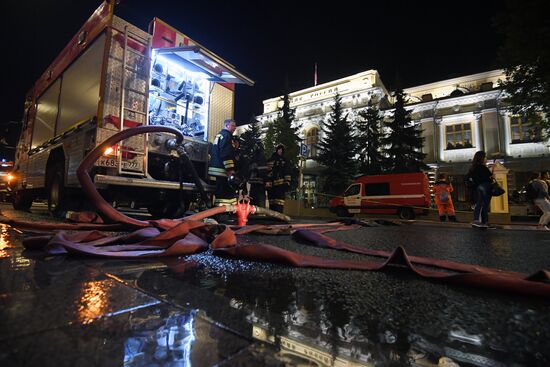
column 442, row 192
column 257, row 175
column 222, row 164
column 278, row 181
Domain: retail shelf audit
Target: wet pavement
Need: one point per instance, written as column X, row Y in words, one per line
column 203, row 310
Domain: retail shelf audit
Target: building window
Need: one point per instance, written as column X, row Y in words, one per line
column 312, row 138
column 459, row 136
column 524, row 131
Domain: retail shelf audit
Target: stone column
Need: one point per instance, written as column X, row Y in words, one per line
column 438, row 139
column 481, row 142
column 503, row 121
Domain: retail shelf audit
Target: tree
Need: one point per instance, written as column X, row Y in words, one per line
column 337, row 150
column 404, row 141
column 369, row 141
column 269, row 139
column 525, row 56
column 284, row 131
column 251, row 139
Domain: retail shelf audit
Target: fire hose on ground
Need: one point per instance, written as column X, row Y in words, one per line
column 185, row 236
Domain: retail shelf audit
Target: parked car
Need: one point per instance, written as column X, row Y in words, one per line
column 404, row 194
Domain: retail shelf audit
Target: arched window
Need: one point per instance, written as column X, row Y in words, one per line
column 312, row 138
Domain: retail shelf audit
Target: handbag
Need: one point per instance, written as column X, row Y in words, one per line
column 496, row 189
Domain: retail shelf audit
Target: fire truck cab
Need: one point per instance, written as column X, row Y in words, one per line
column 112, row 76
column 404, row 194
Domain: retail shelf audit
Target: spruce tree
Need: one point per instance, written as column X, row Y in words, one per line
column 284, row 131
column 251, row 139
column 269, row 139
column 404, row 141
column 369, row 141
column 287, row 134
column 337, row 150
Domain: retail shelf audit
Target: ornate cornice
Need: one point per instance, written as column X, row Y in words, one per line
column 469, row 99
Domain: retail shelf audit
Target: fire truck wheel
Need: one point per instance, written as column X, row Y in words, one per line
column 343, row 212
column 56, row 190
column 406, row 213
column 21, row 200
column 164, row 209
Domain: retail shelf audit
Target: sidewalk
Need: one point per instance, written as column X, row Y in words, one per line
column 500, row 221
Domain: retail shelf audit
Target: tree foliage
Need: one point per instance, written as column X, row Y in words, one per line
column 525, row 56
column 283, row 130
column 336, row 150
column 404, row 141
column 251, row 139
column 269, row 139
column 369, row 141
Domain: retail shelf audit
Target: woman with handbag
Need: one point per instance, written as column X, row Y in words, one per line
column 483, row 179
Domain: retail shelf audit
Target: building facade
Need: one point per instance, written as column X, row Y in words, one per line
column 458, row 117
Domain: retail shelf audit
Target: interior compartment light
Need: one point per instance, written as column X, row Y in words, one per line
column 173, row 64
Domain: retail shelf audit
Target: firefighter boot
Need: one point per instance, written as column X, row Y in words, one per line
column 442, row 218
column 452, row 218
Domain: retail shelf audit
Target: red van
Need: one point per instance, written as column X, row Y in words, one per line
column 404, row 194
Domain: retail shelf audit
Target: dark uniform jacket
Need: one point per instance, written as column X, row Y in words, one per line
column 222, row 156
column 279, row 171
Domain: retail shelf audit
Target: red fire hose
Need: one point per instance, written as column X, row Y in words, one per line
column 184, row 236
column 88, row 186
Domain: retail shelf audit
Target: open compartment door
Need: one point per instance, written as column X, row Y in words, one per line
column 198, row 59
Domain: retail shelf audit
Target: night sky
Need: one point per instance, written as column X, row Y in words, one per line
column 418, row 42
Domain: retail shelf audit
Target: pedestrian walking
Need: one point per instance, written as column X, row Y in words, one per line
column 279, row 178
column 482, row 179
column 222, row 164
column 442, row 196
column 540, row 199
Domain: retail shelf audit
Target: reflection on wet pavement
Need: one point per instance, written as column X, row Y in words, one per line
column 202, row 311
column 4, row 243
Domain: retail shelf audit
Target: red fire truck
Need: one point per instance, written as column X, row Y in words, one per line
column 404, row 194
column 112, row 76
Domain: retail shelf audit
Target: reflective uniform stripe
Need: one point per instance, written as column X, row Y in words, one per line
column 229, row 164
column 220, row 202
column 215, row 171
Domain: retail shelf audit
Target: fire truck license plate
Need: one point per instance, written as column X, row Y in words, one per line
column 112, row 162
column 107, row 162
